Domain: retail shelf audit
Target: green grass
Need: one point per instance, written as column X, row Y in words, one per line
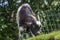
column 50, row 36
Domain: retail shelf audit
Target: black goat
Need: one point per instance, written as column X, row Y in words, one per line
column 26, row 19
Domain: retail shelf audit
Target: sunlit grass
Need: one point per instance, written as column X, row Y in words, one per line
column 50, row 36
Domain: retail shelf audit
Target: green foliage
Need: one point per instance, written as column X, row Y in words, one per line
column 47, row 10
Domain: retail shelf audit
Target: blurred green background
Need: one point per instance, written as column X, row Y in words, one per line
column 47, row 10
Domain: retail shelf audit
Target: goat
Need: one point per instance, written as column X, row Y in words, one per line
column 26, row 18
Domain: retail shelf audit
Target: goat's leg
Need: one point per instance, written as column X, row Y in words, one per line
column 21, row 29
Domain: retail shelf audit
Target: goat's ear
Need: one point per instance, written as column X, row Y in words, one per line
column 38, row 23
